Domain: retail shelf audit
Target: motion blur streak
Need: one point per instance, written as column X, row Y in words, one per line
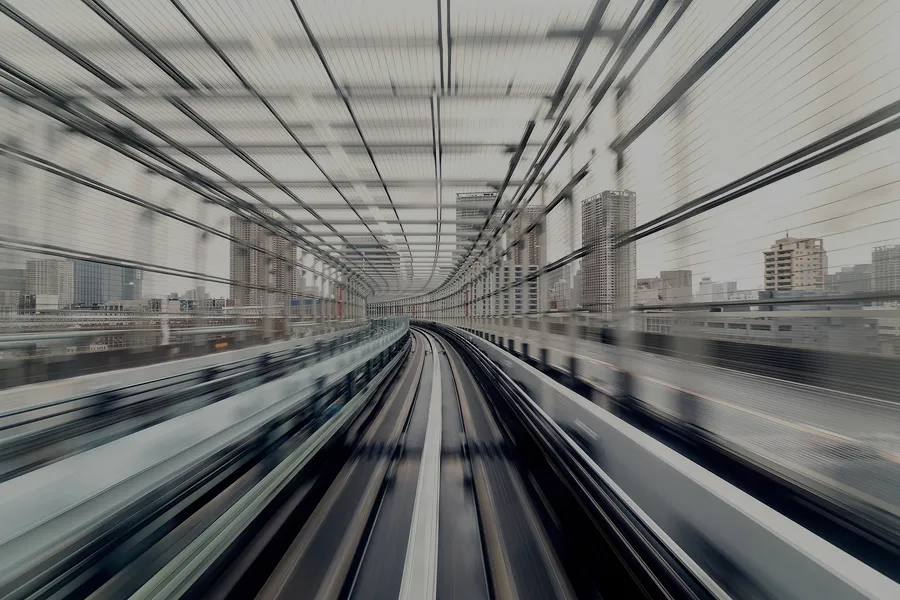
column 449, row 299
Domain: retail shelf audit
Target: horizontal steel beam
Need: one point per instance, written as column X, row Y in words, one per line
column 243, row 44
column 399, row 206
column 404, row 253
column 308, row 126
column 399, row 246
column 482, row 38
column 391, row 221
column 359, row 91
column 576, row 33
column 384, row 148
column 428, row 183
column 329, row 234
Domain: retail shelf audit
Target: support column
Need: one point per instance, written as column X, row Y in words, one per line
column 288, row 269
column 268, row 270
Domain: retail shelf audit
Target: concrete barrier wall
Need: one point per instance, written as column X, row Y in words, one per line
column 752, row 550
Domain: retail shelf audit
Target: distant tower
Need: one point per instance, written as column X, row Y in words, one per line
column 248, row 266
column 886, row 267
column 603, row 217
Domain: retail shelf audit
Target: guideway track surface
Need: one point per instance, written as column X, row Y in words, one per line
column 322, row 557
column 603, row 541
column 521, row 536
column 514, row 545
column 386, row 509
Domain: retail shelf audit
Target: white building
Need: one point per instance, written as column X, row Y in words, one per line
column 886, row 267
column 51, row 276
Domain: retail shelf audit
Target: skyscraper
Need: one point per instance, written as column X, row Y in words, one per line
column 51, row 276
column 606, row 280
column 473, row 206
column 254, row 270
column 528, row 251
column 526, row 255
column 795, row 264
column 98, row 283
column 886, row 266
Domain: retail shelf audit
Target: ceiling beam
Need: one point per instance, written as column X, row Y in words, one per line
column 328, row 234
column 400, row 206
column 584, row 37
column 390, row 221
column 481, row 38
column 178, row 44
column 137, row 92
column 576, row 33
column 405, row 183
column 386, row 147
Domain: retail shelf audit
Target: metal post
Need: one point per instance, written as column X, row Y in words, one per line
column 573, row 326
column 287, row 268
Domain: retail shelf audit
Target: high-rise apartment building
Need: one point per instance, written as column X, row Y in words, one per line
column 795, row 264
column 608, row 274
column 51, row 276
column 254, row 270
column 99, row 283
column 886, row 267
column 473, row 206
column 527, row 253
column 517, row 299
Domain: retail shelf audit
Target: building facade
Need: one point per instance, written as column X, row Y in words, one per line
column 677, row 286
column 608, row 274
column 886, row 269
column 256, row 271
column 473, row 206
column 51, row 277
column 851, row 280
column 723, row 290
column 795, row 264
column 98, row 283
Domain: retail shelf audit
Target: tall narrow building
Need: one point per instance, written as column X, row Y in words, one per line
column 254, row 270
column 473, row 206
column 795, row 264
column 526, row 257
column 608, row 275
column 886, row 267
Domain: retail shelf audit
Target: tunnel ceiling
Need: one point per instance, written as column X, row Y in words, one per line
column 354, row 123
